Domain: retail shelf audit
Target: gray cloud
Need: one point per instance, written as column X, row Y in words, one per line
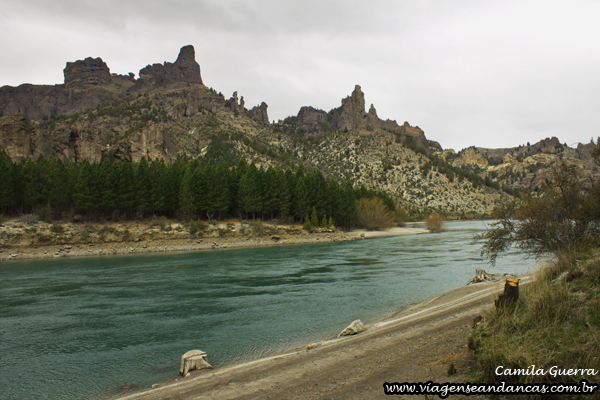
column 491, row 74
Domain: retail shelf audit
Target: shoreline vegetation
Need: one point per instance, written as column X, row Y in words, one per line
column 22, row 239
column 555, row 322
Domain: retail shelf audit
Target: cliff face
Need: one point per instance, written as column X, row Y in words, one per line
column 39, row 102
column 22, row 138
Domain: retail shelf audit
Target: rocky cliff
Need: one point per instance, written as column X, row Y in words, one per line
column 185, row 69
column 89, row 83
column 351, row 116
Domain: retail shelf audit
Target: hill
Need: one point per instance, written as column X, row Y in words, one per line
column 169, row 112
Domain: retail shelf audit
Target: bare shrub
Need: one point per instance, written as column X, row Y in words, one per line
column 162, row 223
column 29, row 219
column 373, row 215
column 257, row 227
column 434, row 223
column 565, row 217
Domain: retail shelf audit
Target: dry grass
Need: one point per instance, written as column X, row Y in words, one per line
column 556, row 322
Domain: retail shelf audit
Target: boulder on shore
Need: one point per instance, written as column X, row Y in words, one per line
column 354, row 328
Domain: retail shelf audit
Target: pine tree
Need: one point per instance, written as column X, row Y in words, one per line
column 108, row 175
column 219, row 189
column 125, row 188
column 199, row 189
column 31, row 185
column 302, row 198
column 284, row 201
column 186, row 196
column 86, row 196
column 272, row 192
column 8, row 195
column 348, row 209
column 314, row 220
column 159, row 187
column 321, row 194
column 143, row 186
column 250, row 191
column 324, row 222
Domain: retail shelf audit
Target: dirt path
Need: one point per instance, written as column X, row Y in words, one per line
column 417, row 345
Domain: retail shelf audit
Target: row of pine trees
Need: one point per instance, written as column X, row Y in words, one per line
column 186, row 189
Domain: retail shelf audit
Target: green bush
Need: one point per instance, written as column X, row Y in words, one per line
column 195, row 226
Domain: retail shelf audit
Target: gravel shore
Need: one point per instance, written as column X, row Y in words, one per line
column 41, row 240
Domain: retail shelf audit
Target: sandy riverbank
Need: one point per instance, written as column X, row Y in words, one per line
column 40, row 240
column 416, row 345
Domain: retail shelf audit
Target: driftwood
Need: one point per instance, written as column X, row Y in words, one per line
column 482, row 276
column 194, row 359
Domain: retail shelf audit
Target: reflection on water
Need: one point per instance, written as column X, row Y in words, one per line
column 91, row 325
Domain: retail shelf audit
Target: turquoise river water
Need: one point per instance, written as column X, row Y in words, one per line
column 81, row 328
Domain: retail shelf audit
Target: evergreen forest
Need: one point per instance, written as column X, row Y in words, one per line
column 185, row 189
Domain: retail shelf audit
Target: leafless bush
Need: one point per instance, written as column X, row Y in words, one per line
column 29, row 219
column 434, row 223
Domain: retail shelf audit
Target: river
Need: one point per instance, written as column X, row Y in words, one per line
column 81, row 328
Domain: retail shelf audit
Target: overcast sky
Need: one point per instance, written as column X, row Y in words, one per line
column 467, row 72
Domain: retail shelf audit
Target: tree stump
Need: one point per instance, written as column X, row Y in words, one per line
column 511, row 292
column 193, row 359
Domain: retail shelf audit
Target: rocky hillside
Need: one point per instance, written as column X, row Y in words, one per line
column 168, row 111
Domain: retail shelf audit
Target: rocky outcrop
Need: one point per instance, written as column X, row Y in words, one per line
column 234, row 102
column 259, row 114
column 469, row 156
column 312, row 117
column 351, row 115
column 185, row 69
column 584, row 151
column 549, row 145
column 86, row 73
column 89, row 83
